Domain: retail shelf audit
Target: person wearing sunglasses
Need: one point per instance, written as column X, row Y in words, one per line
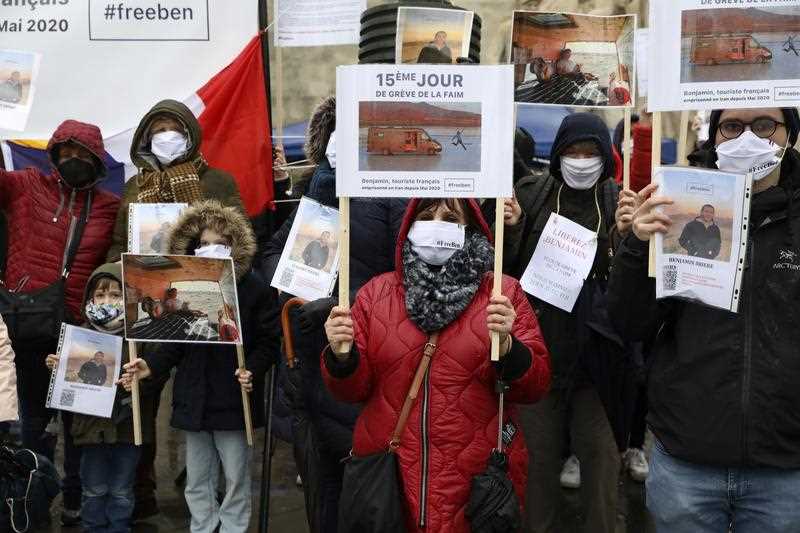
column 723, row 387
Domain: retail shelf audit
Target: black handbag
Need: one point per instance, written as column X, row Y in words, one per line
column 493, row 506
column 34, row 318
column 372, row 497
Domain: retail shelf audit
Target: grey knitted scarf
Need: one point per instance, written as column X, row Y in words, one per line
column 436, row 296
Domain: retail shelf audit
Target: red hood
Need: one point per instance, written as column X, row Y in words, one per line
column 408, row 219
column 87, row 135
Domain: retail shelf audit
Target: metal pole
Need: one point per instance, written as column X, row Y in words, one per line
column 266, row 465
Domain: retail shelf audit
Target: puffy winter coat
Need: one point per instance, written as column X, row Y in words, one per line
column 40, row 210
column 8, row 378
column 215, row 184
column 206, row 395
column 452, row 426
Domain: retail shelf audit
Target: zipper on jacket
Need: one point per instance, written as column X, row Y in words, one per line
column 423, row 490
column 748, row 340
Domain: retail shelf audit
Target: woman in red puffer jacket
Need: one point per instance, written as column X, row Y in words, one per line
column 452, row 426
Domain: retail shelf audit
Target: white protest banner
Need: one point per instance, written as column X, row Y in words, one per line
column 701, row 257
column 317, row 22
column 424, row 131
column 724, row 55
column 571, row 59
column 19, row 71
column 642, row 51
column 108, row 62
column 85, row 379
column 310, row 260
column 561, row 262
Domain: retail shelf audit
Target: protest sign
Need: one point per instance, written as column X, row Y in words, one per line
column 98, row 54
column 310, row 260
column 178, row 298
column 317, row 22
column 574, row 60
column 424, row 131
column 84, row 381
column 726, row 56
column 642, row 37
column 149, row 226
column 18, row 75
column 701, row 257
column 431, row 35
column 561, row 262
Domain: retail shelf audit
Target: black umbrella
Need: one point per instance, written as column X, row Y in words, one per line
column 493, row 506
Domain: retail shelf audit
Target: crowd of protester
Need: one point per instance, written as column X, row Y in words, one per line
column 718, row 390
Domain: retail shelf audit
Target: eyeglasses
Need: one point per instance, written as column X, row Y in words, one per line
column 763, row 127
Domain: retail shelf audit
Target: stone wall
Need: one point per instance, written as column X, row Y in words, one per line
column 309, row 74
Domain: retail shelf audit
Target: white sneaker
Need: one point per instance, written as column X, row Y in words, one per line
column 636, row 464
column 571, row 473
column 299, row 482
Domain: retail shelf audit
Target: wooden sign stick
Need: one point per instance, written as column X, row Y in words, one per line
column 655, row 162
column 344, row 261
column 497, row 288
column 135, row 405
column 626, row 151
column 248, row 417
column 683, row 138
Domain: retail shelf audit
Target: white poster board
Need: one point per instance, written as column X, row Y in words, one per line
column 149, row 226
column 571, row 59
column 310, row 260
column 561, row 262
column 424, row 131
column 642, row 37
column 85, row 379
column 724, row 55
column 701, row 257
column 430, row 35
column 19, row 71
column 108, row 63
column 317, row 22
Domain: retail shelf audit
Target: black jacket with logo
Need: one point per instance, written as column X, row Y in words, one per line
column 723, row 387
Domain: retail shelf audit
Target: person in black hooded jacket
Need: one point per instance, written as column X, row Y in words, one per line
column 589, row 198
column 723, row 387
column 374, row 226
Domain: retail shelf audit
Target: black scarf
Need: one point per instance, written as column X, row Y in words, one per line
column 436, row 296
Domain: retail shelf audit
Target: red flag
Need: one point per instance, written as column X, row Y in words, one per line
column 237, row 136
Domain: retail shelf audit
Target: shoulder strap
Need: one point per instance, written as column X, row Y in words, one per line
column 75, row 242
column 610, row 193
column 422, row 369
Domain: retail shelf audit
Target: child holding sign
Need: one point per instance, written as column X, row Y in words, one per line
column 207, row 403
column 108, row 454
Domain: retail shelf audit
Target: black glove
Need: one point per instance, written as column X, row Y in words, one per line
column 312, row 316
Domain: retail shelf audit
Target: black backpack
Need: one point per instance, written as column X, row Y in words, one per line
column 28, row 484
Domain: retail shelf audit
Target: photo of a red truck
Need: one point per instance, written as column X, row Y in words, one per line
column 392, row 140
column 727, row 49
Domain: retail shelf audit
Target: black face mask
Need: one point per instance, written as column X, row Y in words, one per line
column 77, row 173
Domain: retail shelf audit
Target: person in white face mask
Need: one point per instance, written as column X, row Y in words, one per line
column 581, row 188
column 723, row 386
column 166, row 150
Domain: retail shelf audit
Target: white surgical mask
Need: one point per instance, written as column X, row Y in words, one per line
column 168, row 146
column 581, row 173
column 218, row 251
column 330, row 151
column 749, row 153
column 435, row 241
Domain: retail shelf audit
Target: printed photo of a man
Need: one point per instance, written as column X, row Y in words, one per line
column 701, row 237
column 93, row 372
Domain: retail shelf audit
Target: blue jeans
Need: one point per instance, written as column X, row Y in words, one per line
column 205, row 450
column 108, row 472
column 687, row 497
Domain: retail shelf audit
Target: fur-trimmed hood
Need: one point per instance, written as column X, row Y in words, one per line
column 227, row 221
column 320, row 127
